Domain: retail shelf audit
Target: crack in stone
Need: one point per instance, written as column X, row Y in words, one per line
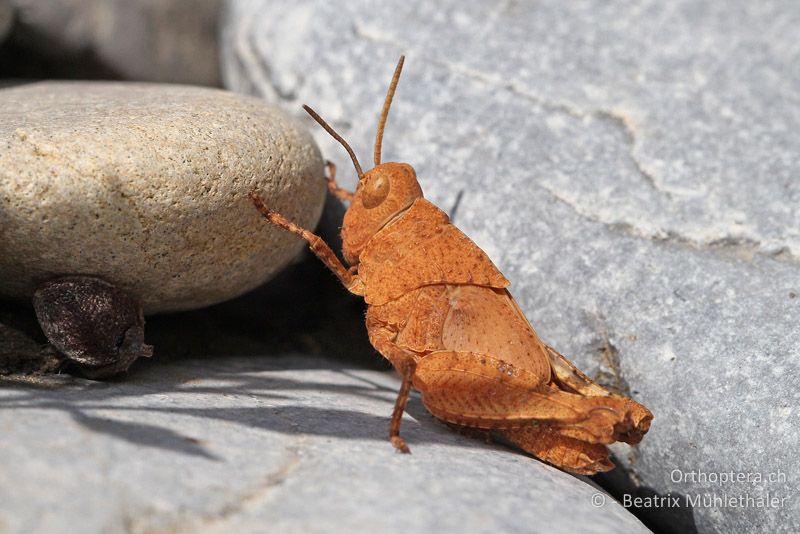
column 739, row 247
column 743, row 248
column 239, row 504
column 732, row 247
column 624, row 123
column 617, row 117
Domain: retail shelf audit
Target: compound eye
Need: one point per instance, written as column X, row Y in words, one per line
column 375, row 190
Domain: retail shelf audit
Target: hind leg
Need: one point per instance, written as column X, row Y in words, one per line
column 477, row 390
column 564, row 452
column 571, row 378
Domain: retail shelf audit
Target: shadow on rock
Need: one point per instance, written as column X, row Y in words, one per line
column 275, row 397
column 303, row 309
column 663, row 514
column 142, row 434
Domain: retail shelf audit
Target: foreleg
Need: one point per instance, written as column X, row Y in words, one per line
column 348, row 277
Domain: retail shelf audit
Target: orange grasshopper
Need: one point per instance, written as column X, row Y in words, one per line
column 440, row 311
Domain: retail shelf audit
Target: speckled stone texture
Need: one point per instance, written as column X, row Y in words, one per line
column 264, row 444
column 631, row 168
column 146, row 186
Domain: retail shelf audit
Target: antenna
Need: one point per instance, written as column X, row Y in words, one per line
column 385, row 112
column 336, row 136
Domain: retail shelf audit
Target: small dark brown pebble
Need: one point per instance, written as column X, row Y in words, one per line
column 94, row 324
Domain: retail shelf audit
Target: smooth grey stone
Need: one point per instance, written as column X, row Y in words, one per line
column 632, row 169
column 263, row 444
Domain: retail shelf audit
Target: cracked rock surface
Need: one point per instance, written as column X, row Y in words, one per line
column 254, row 444
column 631, row 169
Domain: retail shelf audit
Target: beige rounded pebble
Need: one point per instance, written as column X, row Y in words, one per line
column 146, row 186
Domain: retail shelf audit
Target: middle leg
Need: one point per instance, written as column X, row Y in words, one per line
column 333, row 187
column 400, row 407
column 405, row 363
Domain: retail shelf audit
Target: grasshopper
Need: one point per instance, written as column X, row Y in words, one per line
column 440, row 311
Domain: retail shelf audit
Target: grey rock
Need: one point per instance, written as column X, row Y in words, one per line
column 172, row 41
column 146, row 186
column 264, row 444
column 631, row 169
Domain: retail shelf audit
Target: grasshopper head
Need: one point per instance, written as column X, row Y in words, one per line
column 383, row 192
